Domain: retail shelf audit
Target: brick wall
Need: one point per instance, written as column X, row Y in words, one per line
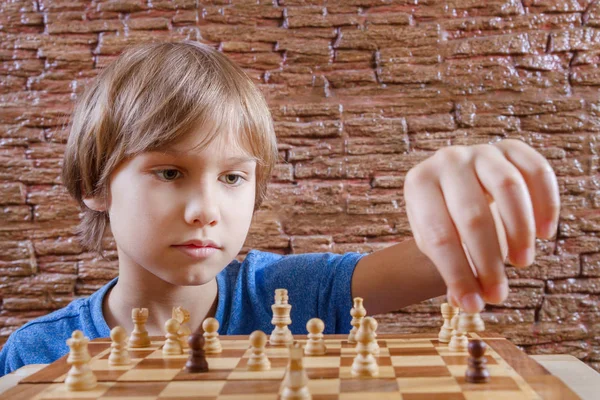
column 361, row 90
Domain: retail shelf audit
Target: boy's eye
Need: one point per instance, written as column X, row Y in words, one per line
column 168, row 174
column 232, row 179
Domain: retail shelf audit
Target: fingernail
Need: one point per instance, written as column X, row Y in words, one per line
column 497, row 293
column 472, row 303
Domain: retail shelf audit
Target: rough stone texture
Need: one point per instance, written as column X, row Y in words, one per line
column 360, row 92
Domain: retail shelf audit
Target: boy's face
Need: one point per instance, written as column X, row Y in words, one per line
column 160, row 201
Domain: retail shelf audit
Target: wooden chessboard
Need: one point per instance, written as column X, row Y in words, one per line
column 410, row 367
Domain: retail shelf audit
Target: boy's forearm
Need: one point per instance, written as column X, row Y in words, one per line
column 395, row 277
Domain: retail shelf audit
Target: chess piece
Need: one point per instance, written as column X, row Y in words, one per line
column 281, row 335
column 258, row 360
column 364, row 364
column 477, row 371
column 172, row 347
column 118, row 348
column 80, row 377
column 212, row 344
column 139, row 336
column 375, row 350
column 358, row 312
column 183, row 317
column 470, row 322
column 197, row 359
column 448, row 312
column 295, row 382
column 315, row 346
column 459, row 340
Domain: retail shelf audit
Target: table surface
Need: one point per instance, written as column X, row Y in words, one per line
column 578, row 376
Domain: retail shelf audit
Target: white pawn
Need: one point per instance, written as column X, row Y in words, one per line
column 375, row 345
column 295, row 382
column 364, row 364
column 212, row 344
column 448, row 312
column 172, row 347
column 315, row 346
column 470, row 322
column 118, row 348
column 358, row 312
column 139, row 335
column 182, row 316
column 80, row 376
column 258, row 360
column 459, row 341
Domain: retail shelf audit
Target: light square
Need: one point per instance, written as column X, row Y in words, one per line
column 428, row 385
column 498, row 395
column 277, row 352
column 222, row 363
column 257, row 375
column 146, row 375
column 384, row 372
column 60, row 391
column 371, row 395
column 263, row 396
column 417, row 361
column 102, row 365
column 321, row 362
column 494, row 370
column 192, row 389
column 324, row 386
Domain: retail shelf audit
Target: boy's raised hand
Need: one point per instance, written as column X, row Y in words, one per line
column 484, row 202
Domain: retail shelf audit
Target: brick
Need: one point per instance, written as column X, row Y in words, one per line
column 585, row 76
column 376, row 127
column 389, row 18
column 430, row 123
column 387, row 182
column 511, row 44
column 400, row 73
column 573, row 285
column 574, row 40
column 98, row 269
column 18, row 268
column 305, row 46
column 311, row 244
column 122, row 6
column 579, row 222
column 379, row 36
column 592, row 16
column 548, row 267
column 13, row 251
column 570, row 308
column 375, row 204
column 548, row 6
column 306, row 110
column 524, row 297
column 590, row 264
column 578, row 245
column 562, row 122
column 83, row 26
column 12, row 214
column 261, row 61
column 349, row 78
column 12, row 193
column 246, row 47
column 315, row 149
column 579, row 349
column 148, row 23
column 317, row 129
column 57, row 246
column 358, row 146
column 323, row 21
column 544, row 332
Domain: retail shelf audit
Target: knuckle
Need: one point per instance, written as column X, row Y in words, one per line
column 474, row 218
column 437, row 237
column 510, row 182
column 453, row 155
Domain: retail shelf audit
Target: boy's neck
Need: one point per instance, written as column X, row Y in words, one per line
column 159, row 299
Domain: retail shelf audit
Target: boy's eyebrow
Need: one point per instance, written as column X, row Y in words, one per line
column 235, row 159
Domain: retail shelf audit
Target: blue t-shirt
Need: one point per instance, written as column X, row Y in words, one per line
column 318, row 284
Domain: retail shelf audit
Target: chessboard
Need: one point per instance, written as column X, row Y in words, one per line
column 411, row 367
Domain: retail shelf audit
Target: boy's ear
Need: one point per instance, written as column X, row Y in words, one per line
column 94, row 203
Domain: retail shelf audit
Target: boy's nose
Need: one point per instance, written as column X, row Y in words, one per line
column 202, row 209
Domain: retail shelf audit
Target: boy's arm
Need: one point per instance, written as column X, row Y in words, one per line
column 395, row 277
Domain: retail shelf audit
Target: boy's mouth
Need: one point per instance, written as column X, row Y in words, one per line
column 198, row 243
column 198, row 249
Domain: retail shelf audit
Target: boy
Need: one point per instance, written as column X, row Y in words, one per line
column 172, row 145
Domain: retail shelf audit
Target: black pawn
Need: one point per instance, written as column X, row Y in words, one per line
column 476, row 370
column 197, row 360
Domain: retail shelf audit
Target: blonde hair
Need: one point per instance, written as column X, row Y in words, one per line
column 149, row 98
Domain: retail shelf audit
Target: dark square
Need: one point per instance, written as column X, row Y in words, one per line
column 216, row 375
column 495, row 383
column 323, row 373
column 425, row 371
column 462, row 360
column 368, row 385
column 431, row 396
column 122, row 389
column 251, row 386
column 413, row 351
column 161, row 363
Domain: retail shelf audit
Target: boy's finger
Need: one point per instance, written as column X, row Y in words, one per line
column 437, row 238
column 470, row 211
column 541, row 180
column 503, row 181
